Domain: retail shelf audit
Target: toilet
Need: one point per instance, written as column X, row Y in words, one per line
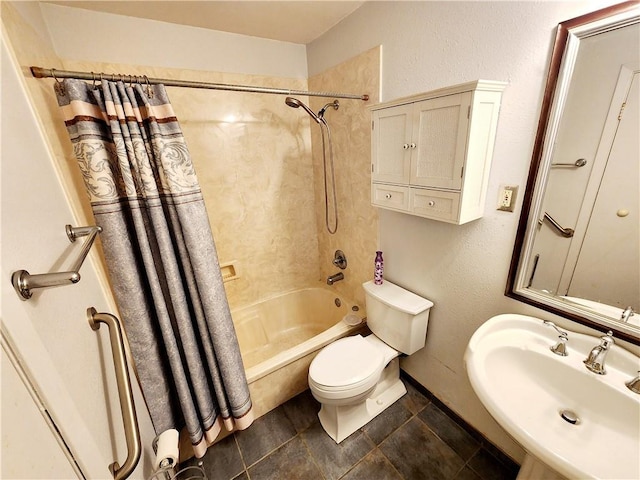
column 356, row 378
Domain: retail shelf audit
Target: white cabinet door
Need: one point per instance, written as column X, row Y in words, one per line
column 440, row 130
column 391, row 151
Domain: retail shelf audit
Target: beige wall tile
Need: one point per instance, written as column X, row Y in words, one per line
column 351, row 135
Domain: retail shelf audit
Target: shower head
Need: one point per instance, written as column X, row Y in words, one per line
column 335, row 105
column 295, row 103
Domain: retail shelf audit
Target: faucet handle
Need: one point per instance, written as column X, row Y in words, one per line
column 634, row 384
column 607, row 340
column 559, row 348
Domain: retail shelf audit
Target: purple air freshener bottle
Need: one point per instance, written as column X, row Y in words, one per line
column 379, row 268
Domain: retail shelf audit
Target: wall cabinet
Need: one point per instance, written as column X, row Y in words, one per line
column 431, row 153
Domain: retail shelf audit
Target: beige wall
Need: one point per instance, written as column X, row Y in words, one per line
column 357, row 234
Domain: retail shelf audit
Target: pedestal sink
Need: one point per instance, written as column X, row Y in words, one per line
column 582, row 425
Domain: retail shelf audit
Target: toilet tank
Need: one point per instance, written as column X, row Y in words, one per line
column 397, row 316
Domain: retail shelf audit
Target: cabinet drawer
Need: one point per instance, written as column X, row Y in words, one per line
column 390, row 196
column 435, row 204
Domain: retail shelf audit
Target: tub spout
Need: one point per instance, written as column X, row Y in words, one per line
column 331, row 279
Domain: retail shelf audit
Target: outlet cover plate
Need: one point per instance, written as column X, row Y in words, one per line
column 507, row 198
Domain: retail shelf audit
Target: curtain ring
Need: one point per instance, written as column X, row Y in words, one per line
column 59, row 86
column 93, row 76
column 149, row 91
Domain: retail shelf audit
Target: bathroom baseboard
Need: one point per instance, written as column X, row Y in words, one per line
column 502, row 457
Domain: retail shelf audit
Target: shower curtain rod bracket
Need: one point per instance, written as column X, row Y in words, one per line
column 39, row 72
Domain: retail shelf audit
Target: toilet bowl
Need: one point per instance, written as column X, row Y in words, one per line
column 356, row 378
column 349, row 369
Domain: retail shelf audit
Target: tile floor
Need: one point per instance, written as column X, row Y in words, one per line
column 413, row 439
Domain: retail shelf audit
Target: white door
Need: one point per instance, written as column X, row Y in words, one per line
column 440, row 130
column 67, row 364
column 391, row 145
column 612, row 240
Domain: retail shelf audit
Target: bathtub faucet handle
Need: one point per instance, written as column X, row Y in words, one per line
column 340, row 259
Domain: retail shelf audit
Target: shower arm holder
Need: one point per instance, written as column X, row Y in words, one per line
column 24, row 282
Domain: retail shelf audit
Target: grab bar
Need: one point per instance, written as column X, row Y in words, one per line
column 565, row 232
column 24, row 282
column 581, row 162
column 127, row 406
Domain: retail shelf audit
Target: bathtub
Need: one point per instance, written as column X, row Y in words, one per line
column 280, row 336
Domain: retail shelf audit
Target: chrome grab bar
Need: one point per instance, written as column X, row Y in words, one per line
column 127, row 406
column 565, row 232
column 24, row 282
column 581, row 162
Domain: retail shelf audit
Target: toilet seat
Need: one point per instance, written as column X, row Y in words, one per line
column 347, row 367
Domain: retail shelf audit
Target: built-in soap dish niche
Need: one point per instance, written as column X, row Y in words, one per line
column 229, row 271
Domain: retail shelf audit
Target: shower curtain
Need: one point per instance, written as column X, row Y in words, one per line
column 160, row 255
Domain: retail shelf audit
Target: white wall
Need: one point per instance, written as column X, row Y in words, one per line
column 94, row 36
column 463, row 269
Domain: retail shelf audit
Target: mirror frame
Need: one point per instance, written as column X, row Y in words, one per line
column 563, row 56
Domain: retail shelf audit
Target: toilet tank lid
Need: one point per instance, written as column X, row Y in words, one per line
column 397, row 297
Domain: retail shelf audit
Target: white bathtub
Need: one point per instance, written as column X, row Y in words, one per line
column 280, row 336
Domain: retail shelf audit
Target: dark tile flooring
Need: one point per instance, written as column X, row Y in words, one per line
column 413, row 439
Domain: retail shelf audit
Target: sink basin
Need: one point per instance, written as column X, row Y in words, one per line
column 526, row 387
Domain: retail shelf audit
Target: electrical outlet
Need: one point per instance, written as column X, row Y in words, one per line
column 507, row 198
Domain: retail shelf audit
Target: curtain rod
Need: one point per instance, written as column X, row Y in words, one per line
column 39, row 72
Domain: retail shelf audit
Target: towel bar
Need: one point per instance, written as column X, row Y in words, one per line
column 24, row 282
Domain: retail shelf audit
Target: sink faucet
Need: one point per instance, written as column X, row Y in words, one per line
column 597, row 355
column 336, row 277
column 559, row 348
column 627, row 314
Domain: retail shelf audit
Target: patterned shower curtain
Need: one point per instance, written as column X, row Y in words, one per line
column 160, row 255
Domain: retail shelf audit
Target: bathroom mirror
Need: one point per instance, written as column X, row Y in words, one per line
column 577, row 249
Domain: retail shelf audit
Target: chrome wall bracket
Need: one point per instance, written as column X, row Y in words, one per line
column 24, row 282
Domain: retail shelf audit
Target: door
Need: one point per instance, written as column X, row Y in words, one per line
column 67, row 364
column 615, row 218
column 440, row 130
column 391, row 145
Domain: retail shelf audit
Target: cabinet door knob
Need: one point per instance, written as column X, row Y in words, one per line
column 387, row 196
column 413, row 145
column 431, row 203
column 405, row 146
